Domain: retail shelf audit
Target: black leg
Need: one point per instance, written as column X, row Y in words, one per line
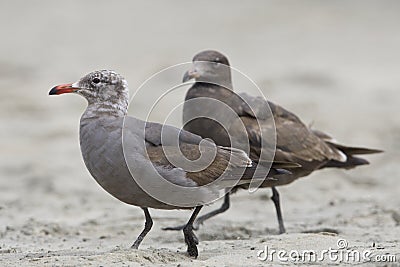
column 275, row 199
column 224, row 207
column 147, row 226
column 190, row 238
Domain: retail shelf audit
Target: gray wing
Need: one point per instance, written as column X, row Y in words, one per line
column 225, row 158
column 294, row 138
column 254, row 106
column 154, row 131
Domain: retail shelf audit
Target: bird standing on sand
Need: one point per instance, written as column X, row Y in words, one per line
column 114, row 145
column 295, row 142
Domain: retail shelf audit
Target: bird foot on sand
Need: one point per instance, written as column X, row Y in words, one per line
column 192, row 241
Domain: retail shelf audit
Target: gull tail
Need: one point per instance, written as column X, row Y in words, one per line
column 351, row 161
column 350, row 151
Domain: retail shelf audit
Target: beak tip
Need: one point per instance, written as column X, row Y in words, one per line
column 186, row 77
column 53, row 91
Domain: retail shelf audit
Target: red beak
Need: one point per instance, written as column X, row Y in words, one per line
column 62, row 89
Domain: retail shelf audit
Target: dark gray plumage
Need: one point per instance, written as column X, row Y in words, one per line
column 111, row 142
column 312, row 149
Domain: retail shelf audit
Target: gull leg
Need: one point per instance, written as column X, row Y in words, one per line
column 190, row 238
column 224, row 207
column 275, row 199
column 147, row 226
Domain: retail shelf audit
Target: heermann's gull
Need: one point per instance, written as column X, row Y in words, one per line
column 312, row 149
column 114, row 145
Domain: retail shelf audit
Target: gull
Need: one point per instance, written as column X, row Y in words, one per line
column 131, row 158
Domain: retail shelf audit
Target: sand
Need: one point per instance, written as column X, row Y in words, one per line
column 335, row 64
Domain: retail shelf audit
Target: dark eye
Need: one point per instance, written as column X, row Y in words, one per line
column 96, row 80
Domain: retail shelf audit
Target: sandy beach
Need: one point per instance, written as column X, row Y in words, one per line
column 335, row 64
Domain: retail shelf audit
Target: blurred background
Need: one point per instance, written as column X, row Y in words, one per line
column 334, row 63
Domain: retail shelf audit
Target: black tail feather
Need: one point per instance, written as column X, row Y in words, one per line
column 350, row 163
column 349, row 151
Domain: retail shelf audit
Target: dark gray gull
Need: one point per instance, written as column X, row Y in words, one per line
column 114, row 145
column 296, row 142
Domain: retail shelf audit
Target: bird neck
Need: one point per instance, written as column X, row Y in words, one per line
column 227, row 84
column 107, row 108
column 222, row 79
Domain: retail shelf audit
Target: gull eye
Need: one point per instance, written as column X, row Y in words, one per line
column 96, row 80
